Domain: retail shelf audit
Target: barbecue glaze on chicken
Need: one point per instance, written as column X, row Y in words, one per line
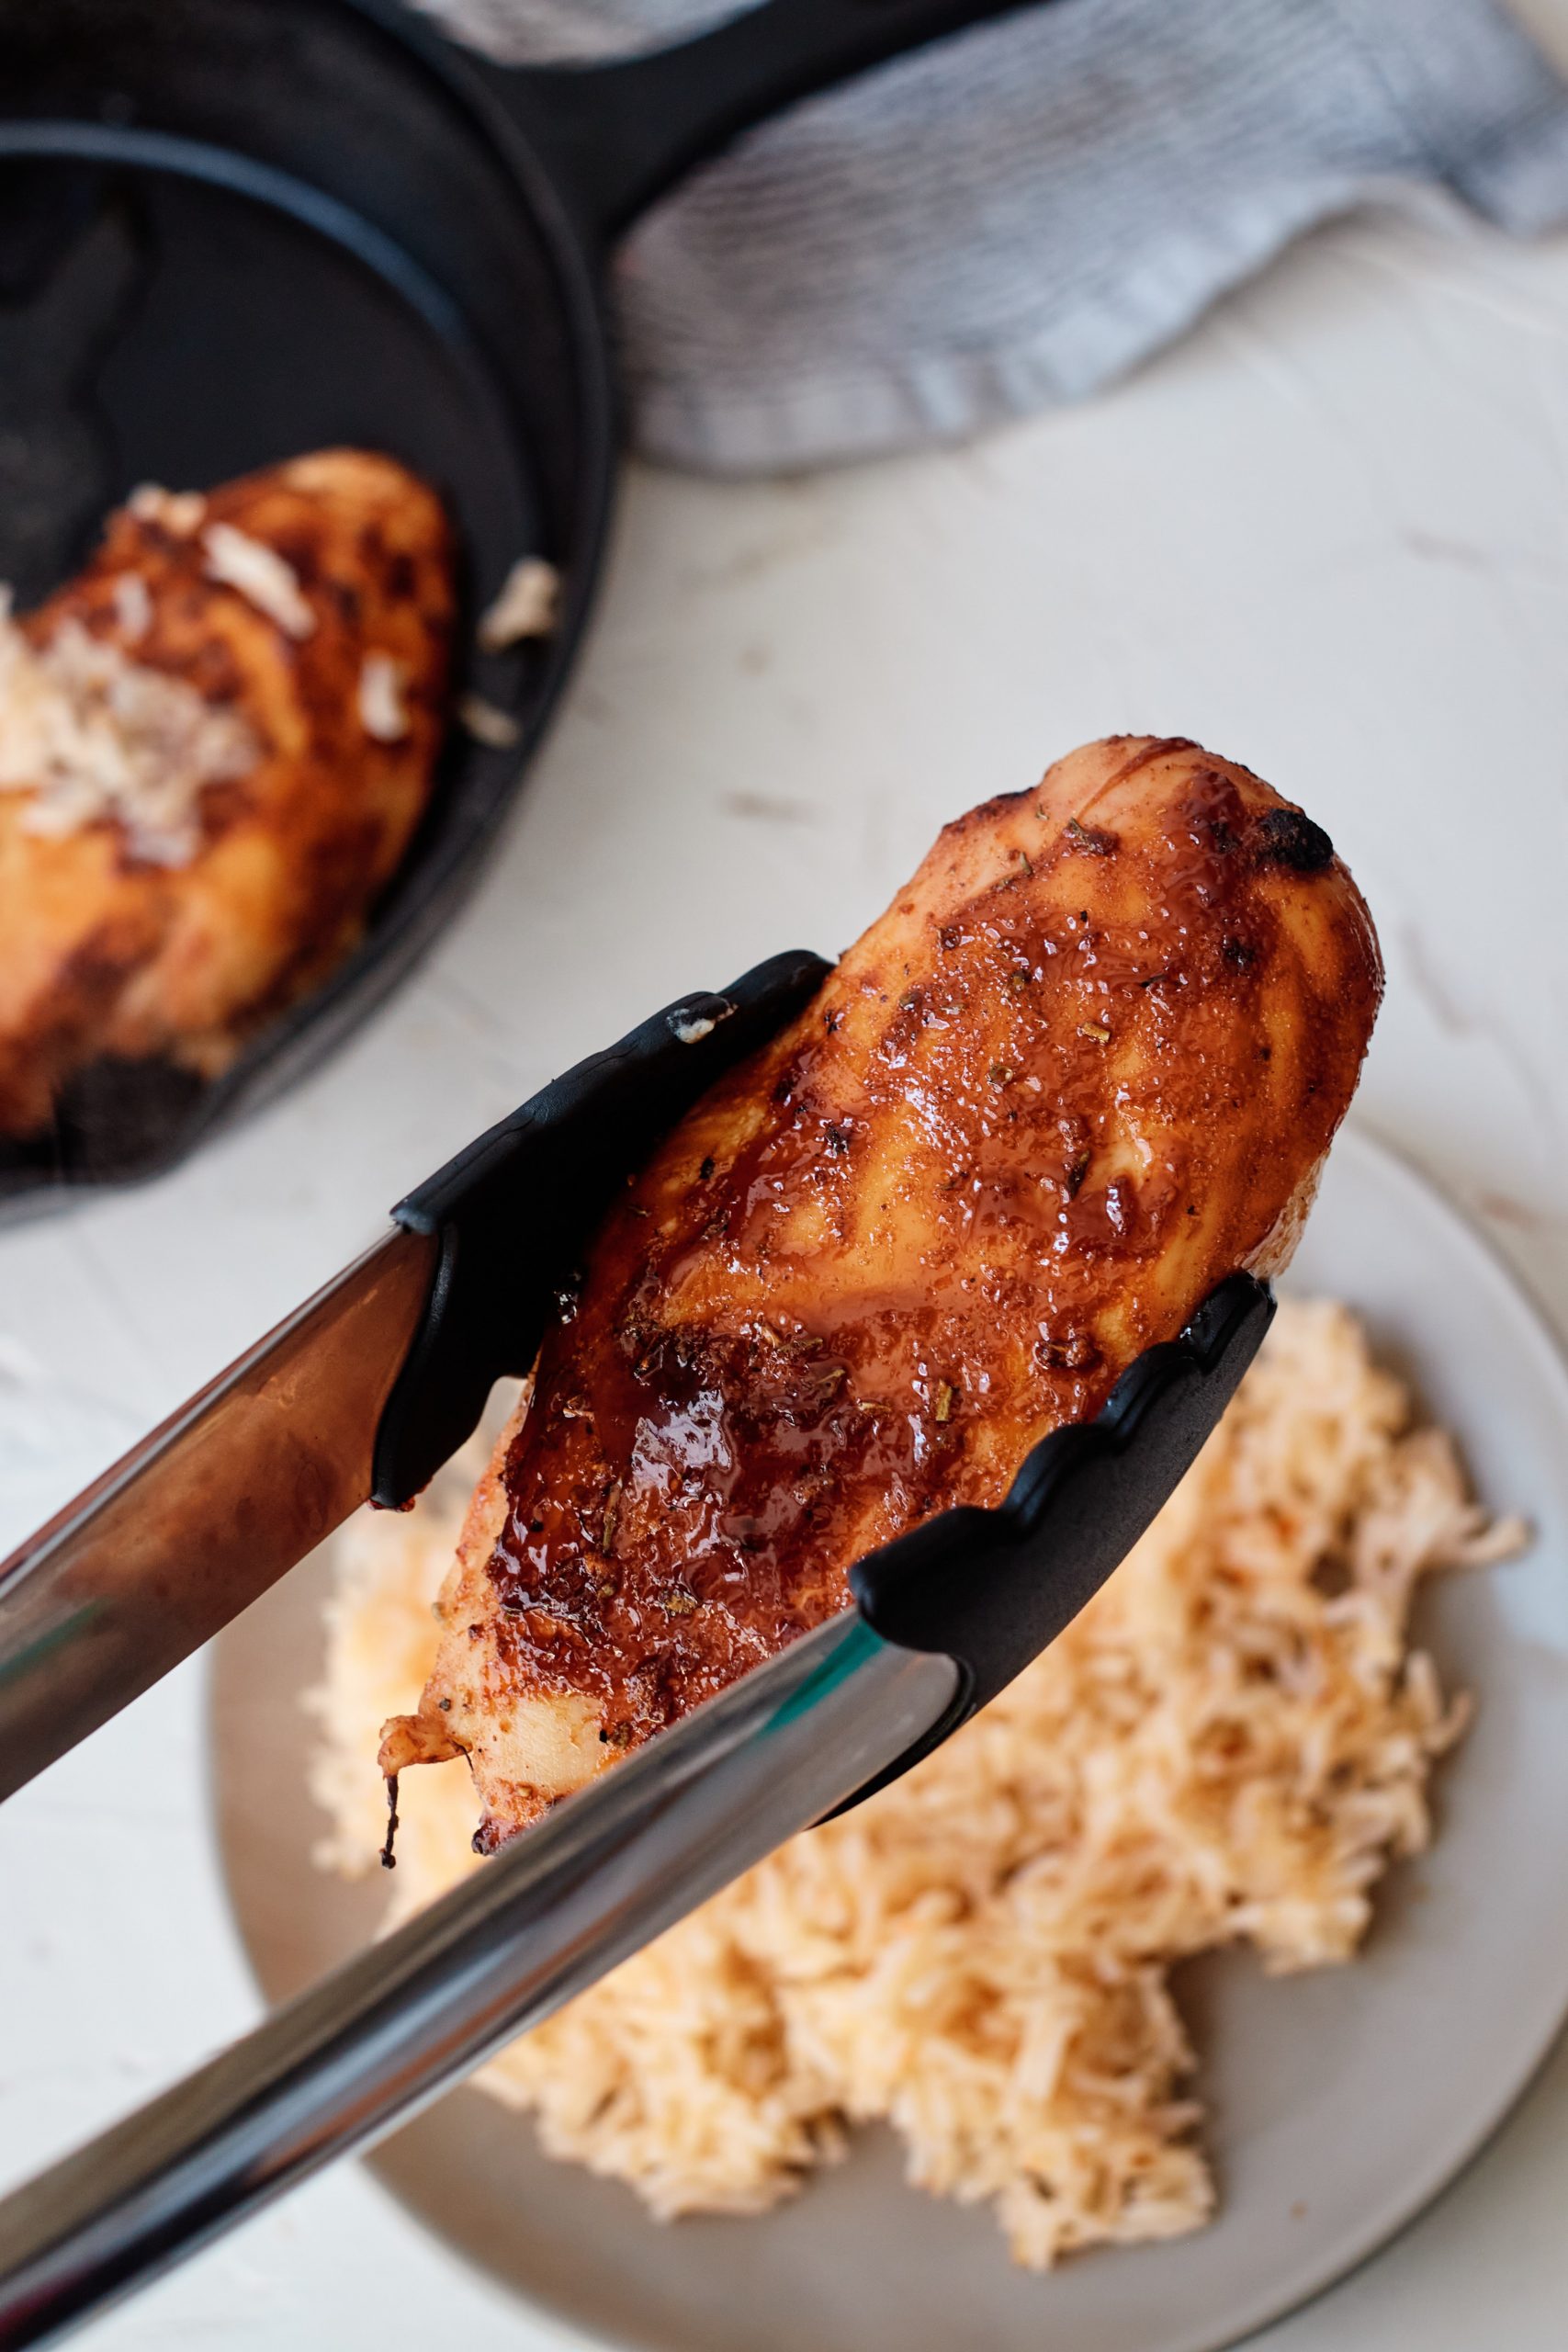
column 215, row 744
column 1087, row 1064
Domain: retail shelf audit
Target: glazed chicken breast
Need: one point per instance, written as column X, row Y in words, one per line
column 215, row 743
column 1088, row 1065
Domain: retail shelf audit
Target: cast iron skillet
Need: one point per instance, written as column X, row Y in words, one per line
column 233, row 229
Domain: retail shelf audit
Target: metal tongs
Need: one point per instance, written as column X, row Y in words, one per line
column 362, row 1394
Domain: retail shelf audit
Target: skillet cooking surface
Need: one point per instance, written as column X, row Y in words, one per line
column 193, row 283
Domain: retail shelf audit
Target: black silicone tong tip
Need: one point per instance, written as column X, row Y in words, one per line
column 993, row 1589
column 514, row 1211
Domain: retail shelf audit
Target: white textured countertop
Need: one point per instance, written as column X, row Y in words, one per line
column 1330, row 535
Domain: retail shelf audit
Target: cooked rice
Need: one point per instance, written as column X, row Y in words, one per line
column 1230, row 1743
column 383, row 713
column 528, row 605
column 178, row 512
column 488, row 724
column 89, row 736
column 260, row 575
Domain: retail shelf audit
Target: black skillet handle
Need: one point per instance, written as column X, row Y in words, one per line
column 626, row 130
column 513, row 1211
column 992, row 1589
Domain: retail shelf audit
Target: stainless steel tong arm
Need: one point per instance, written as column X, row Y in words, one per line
column 207, row 1514
column 612, row 1868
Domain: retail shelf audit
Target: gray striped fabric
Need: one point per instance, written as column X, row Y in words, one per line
column 1020, row 213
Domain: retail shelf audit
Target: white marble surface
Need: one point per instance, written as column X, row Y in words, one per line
column 1328, row 534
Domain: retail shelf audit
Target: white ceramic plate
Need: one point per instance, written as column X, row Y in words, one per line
column 1340, row 2102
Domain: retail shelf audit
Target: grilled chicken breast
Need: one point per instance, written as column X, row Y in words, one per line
column 214, row 746
column 1087, row 1064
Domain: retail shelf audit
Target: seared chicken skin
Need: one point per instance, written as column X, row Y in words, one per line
column 214, row 746
column 1088, row 1065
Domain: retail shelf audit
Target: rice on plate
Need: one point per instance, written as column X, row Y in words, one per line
column 1229, row 1745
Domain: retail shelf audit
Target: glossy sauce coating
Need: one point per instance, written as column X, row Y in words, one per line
column 1086, row 1067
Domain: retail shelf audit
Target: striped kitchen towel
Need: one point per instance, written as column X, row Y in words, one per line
column 1020, row 213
